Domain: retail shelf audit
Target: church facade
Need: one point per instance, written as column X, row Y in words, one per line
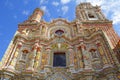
column 61, row 50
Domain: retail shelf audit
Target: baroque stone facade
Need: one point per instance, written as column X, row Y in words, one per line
column 117, row 51
column 61, row 50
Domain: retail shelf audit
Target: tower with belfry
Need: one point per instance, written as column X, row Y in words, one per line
column 83, row 49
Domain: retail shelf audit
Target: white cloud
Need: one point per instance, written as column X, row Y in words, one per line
column 94, row 2
column 112, row 10
column 55, row 3
column 116, row 17
column 25, row 12
column 46, row 11
column 44, row 8
column 43, row 1
column 65, row 9
column 65, row 1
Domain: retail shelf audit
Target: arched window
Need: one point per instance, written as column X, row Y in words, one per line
column 91, row 15
column 59, row 32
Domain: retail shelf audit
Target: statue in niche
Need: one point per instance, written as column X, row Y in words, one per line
column 80, row 57
column 94, row 53
column 24, row 54
column 86, row 58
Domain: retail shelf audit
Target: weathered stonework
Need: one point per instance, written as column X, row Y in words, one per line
column 87, row 43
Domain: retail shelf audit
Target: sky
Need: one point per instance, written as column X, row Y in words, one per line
column 13, row 12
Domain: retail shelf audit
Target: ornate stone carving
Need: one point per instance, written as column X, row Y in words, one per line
column 84, row 42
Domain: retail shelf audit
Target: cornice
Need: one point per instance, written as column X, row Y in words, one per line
column 71, row 41
column 96, row 22
column 47, row 24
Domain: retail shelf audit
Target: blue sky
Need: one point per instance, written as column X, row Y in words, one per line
column 13, row 12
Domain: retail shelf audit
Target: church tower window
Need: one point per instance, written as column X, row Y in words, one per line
column 91, row 15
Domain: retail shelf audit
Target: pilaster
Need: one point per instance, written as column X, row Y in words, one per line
column 14, row 57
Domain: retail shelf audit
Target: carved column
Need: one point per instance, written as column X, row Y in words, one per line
column 48, row 51
column 81, row 63
column 44, row 60
column 48, row 57
column 32, row 57
column 71, row 58
column 85, row 57
column 37, row 58
column 15, row 55
column 6, row 59
column 102, row 53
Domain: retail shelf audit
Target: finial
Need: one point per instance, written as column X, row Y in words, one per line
column 37, row 14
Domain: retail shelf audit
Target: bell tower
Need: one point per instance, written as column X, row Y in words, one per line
column 89, row 16
column 86, row 12
column 36, row 16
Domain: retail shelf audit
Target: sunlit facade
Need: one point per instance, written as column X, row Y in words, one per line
column 61, row 50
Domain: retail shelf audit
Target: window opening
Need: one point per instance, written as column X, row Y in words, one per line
column 59, row 32
column 91, row 15
column 59, row 59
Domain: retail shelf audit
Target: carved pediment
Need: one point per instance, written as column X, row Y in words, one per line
column 60, row 22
